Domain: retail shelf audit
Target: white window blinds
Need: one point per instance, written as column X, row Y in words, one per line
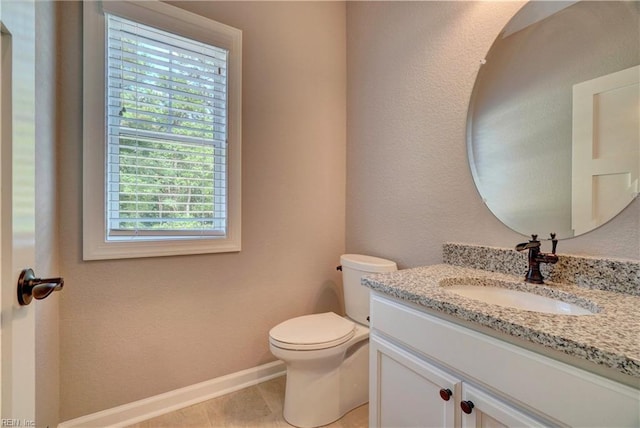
column 167, row 134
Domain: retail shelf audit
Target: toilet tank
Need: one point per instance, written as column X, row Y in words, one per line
column 356, row 296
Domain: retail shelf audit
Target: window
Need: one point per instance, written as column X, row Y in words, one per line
column 161, row 132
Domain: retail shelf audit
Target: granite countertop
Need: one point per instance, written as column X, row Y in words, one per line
column 610, row 337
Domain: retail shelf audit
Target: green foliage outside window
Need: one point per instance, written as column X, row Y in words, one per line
column 171, row 139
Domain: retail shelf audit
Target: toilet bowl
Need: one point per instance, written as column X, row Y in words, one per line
column 326, row 355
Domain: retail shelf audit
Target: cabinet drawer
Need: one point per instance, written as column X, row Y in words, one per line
column 544, row 386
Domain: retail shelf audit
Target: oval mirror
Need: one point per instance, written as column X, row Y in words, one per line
column 553, row 130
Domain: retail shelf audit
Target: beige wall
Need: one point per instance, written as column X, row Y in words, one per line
column 130, row 329
column 47, row 334
column 412, row 66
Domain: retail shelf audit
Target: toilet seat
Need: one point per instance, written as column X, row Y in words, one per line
column 312, row 332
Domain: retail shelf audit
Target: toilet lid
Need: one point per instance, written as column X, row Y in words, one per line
column 308, row 332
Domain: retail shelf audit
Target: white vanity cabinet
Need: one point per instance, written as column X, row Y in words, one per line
column 410, row 392
column 415, row 356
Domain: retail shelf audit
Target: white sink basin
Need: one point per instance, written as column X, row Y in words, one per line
column 517, row 299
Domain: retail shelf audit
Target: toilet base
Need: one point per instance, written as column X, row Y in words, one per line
column 315, row 397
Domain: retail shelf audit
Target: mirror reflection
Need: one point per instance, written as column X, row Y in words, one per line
column 554, row 120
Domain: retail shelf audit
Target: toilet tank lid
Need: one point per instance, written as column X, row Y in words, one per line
column 367, row 263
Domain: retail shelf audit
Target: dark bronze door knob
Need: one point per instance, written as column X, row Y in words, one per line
column 445, row 394
column 30, row 287
column 467, row 406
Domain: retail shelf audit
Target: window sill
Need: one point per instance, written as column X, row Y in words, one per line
column 137, row 249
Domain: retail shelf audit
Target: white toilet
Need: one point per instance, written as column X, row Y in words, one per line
column 327, row 356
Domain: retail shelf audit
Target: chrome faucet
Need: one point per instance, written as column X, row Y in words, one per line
column 536, row 257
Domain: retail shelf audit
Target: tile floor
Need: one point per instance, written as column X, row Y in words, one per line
column 256, row 406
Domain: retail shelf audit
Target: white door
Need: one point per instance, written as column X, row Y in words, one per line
column 406, row 391
column 606, row 147
column 17, row 217
column 482, row 410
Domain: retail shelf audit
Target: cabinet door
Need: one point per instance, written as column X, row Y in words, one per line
column 405, row 391
column 488, row 411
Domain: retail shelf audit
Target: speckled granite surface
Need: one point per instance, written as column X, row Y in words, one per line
column 617, row 275
column 610, row 337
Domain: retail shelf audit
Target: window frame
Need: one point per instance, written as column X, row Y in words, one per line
column 96, row 246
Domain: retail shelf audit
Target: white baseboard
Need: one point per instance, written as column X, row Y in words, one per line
column 147, row 408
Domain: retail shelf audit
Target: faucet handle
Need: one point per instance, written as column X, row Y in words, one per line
column 554, row 243
column 533, row 243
